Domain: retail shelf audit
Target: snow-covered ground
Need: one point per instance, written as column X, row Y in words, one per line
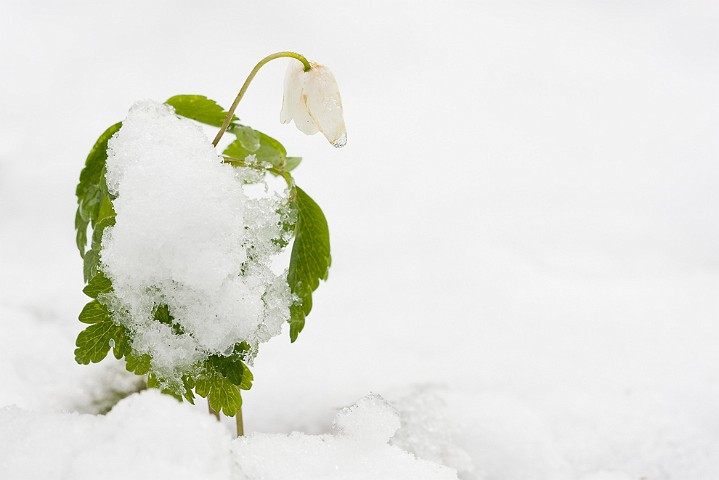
column 523, row 225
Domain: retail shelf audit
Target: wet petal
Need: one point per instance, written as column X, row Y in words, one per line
column 325, row 104
column 312, row 100
column 303, row 120
column 291, row 99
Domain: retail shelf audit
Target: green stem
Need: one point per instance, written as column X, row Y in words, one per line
column 240, row 423
column 245, row 85
column 212, row 411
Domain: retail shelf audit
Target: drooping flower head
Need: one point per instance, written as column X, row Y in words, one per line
column 312, row 100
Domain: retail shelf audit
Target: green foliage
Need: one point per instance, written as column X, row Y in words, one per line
column 163, row 315
column 291, row 163
column 91, row 261
column 248, row 137
column 121, row 343
column 310, row 259
column 220, row 378
column 232, row 367
column 199, row 108
column 99, row 230
column 94, row 312
column 99, row 284
column 186, row 392
column 223, row 395
column 266, row 149
column 139, row 365
column 223, row 377
column 106, row 210
column 95, row 341
column 81, row 232
column 91, row 189
column 91, row 175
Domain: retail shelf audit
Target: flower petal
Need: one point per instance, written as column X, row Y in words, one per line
column 324, row 103
column 303, row 120
column 291, row 99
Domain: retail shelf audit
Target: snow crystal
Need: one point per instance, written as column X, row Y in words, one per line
column 188, row 236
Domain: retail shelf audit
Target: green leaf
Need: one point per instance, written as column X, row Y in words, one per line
column 121, row 348
column 248, row 137
column 310, row 259
column 221, row 393
column 99, row 230
column 291, row 163
column 90, row 203
column 95, row 162
column 154, row 382
column 189, row 384
column 297, row 321
column 199, row 108
column 232, row 367
column 270, row 150
column 121, row 343
column 106, row 209
column 137, row 365
column 163, row 315
column 247, row 378
column 89, row 190
column 94, row 312
column 93, row 343
column 81, row 228
column 99, row 284
column 91, row 260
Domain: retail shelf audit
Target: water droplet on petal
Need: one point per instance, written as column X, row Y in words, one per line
column 340, row 142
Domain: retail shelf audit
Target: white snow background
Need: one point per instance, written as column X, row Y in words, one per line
column 524, row 236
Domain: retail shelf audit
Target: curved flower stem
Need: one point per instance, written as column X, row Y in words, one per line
column 248, row 80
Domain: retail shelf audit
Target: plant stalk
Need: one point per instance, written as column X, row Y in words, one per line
column 248, row 80
column 240, row 423
column 212, row 411
column 226, row 123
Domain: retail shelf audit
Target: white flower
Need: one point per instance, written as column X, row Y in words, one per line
column 313, row 101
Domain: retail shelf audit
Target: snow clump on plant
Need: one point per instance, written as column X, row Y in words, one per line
column 192, row 239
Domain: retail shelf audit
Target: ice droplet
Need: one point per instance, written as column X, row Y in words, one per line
column 340, row 142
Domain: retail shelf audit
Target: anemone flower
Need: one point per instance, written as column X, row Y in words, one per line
column 312, row 100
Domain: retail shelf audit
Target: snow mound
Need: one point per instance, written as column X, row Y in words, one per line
column 482, row 436
column 608, row 476
column 48, row 379
column 360, row 450
column 150, row 435
column 147, row 435
column 192, row 236
column 427, row 429
column 371, row 419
